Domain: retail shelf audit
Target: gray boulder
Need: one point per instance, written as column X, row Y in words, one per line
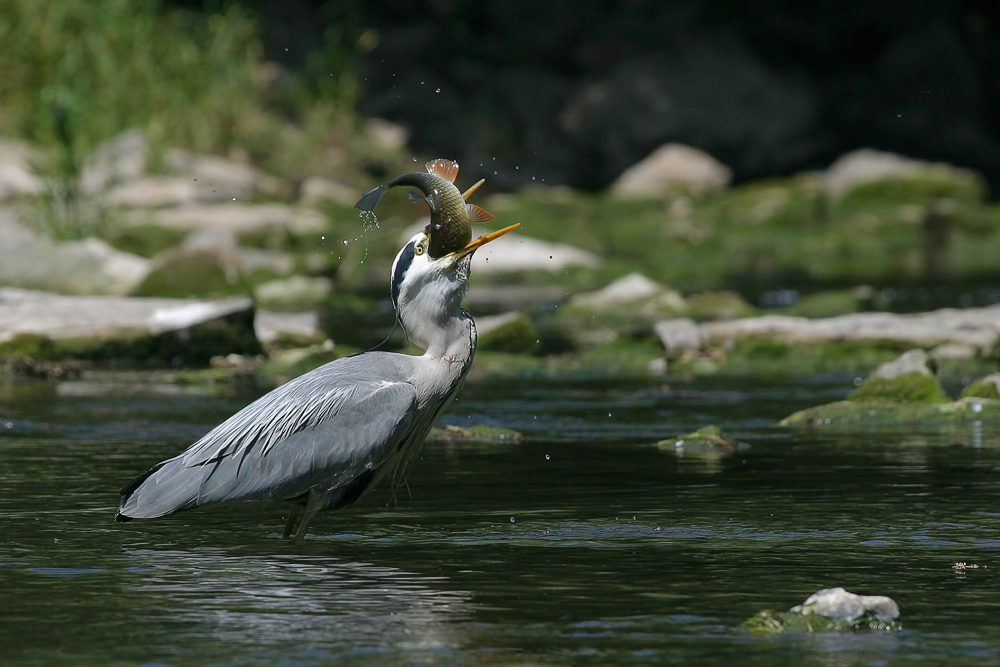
column 670, row 168
column 839, row 604
column 866, row 165
column 113, row 327
column 32, row 261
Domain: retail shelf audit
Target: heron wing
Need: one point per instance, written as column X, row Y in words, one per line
column 326, row 427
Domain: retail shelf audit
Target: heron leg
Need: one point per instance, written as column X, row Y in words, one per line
column 293, row 516
column 318, row 499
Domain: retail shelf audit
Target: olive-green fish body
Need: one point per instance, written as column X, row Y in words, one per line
column 450, row 228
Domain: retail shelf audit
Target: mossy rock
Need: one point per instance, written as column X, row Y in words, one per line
column 144, row 240
column 184, row 272
column 723, row 305
column 826, row 304
column 769, row 622
column 518, row 335
column 706, row 441
column 480, row 433
column 31, row 346
column 287, row 364
column 907, row 388
column 987, row 387
column 882, row 413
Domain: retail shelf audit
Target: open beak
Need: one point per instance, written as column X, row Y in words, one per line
column 483, row 240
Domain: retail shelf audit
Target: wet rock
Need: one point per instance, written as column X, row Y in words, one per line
column 32, row 261
column 985, row 387
column 153, row 191
column 724, row 305
column 217, row 178
column 891, row 413
column 830, row 303
column 237, row 218
column 671, row 168
column 634, row 293
column 953, row 352
column 118, row 160
column 866, row 166
column 705, row 442
column 17, row 178
column 909, row 379
column 194, row 270
column 838, row 604
column 509, row 332
column 977, row 327
column 171, row 331
column 294, row 293
column 288, row 330
column 679, row 335
column 831, row 610
column 480, row 433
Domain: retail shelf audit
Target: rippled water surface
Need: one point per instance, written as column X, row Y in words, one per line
column 585, row 545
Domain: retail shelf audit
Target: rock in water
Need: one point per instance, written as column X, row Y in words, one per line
column 839, row 604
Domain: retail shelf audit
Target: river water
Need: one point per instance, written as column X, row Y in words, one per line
column 584, row 545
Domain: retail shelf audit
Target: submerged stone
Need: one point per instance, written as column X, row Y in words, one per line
column 986, row 387
column 831, row 610
column 909, row 379
column 706, row 442
column 479, row 433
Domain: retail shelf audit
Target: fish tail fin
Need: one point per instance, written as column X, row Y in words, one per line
column 370, row 199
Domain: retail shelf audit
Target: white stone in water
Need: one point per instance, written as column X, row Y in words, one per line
column 839, row 604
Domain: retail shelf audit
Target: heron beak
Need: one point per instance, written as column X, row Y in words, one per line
column 483, row 240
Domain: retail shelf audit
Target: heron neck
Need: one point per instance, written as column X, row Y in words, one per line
column 437, row 323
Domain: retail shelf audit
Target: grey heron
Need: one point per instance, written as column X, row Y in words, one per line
column 324, row 438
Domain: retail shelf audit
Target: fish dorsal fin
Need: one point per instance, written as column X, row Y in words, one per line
column 479, row 215
column 446, row 169
column 414, row 197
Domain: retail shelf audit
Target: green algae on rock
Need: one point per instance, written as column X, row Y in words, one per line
column 480, row 433
column 776, row 622
column 706, row 441
column 986, row 387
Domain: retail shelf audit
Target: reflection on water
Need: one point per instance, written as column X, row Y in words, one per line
column 586, row 545
column 294, row 601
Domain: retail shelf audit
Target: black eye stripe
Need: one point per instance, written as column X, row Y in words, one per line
column 402, row 265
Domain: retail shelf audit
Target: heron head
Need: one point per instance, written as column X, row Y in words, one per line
column 431, row 285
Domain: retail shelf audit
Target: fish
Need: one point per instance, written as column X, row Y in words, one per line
column 450, row 228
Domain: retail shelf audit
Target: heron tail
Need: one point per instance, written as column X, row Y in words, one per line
column 165, row 488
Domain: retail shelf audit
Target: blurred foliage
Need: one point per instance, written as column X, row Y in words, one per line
column 77, row 72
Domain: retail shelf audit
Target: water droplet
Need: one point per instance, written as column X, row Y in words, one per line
column 535, row 417
column 547, row 457
column 609, row 414
column 234, row 198
column 512, row 519
column 567, row 273
column 438, row 90
column 194, row 179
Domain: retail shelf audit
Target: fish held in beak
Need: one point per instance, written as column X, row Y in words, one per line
column 450, row 228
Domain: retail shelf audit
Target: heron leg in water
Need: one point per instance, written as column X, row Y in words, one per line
column 318, row 499
column 293, row 516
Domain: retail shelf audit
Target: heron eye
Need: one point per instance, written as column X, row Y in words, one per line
column 419, row 250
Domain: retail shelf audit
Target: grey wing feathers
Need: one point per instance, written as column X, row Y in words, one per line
column 324, row 428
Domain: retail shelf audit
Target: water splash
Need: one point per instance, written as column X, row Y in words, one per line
column 369, row 221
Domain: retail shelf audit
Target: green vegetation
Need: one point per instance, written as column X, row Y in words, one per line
column 907, row 388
